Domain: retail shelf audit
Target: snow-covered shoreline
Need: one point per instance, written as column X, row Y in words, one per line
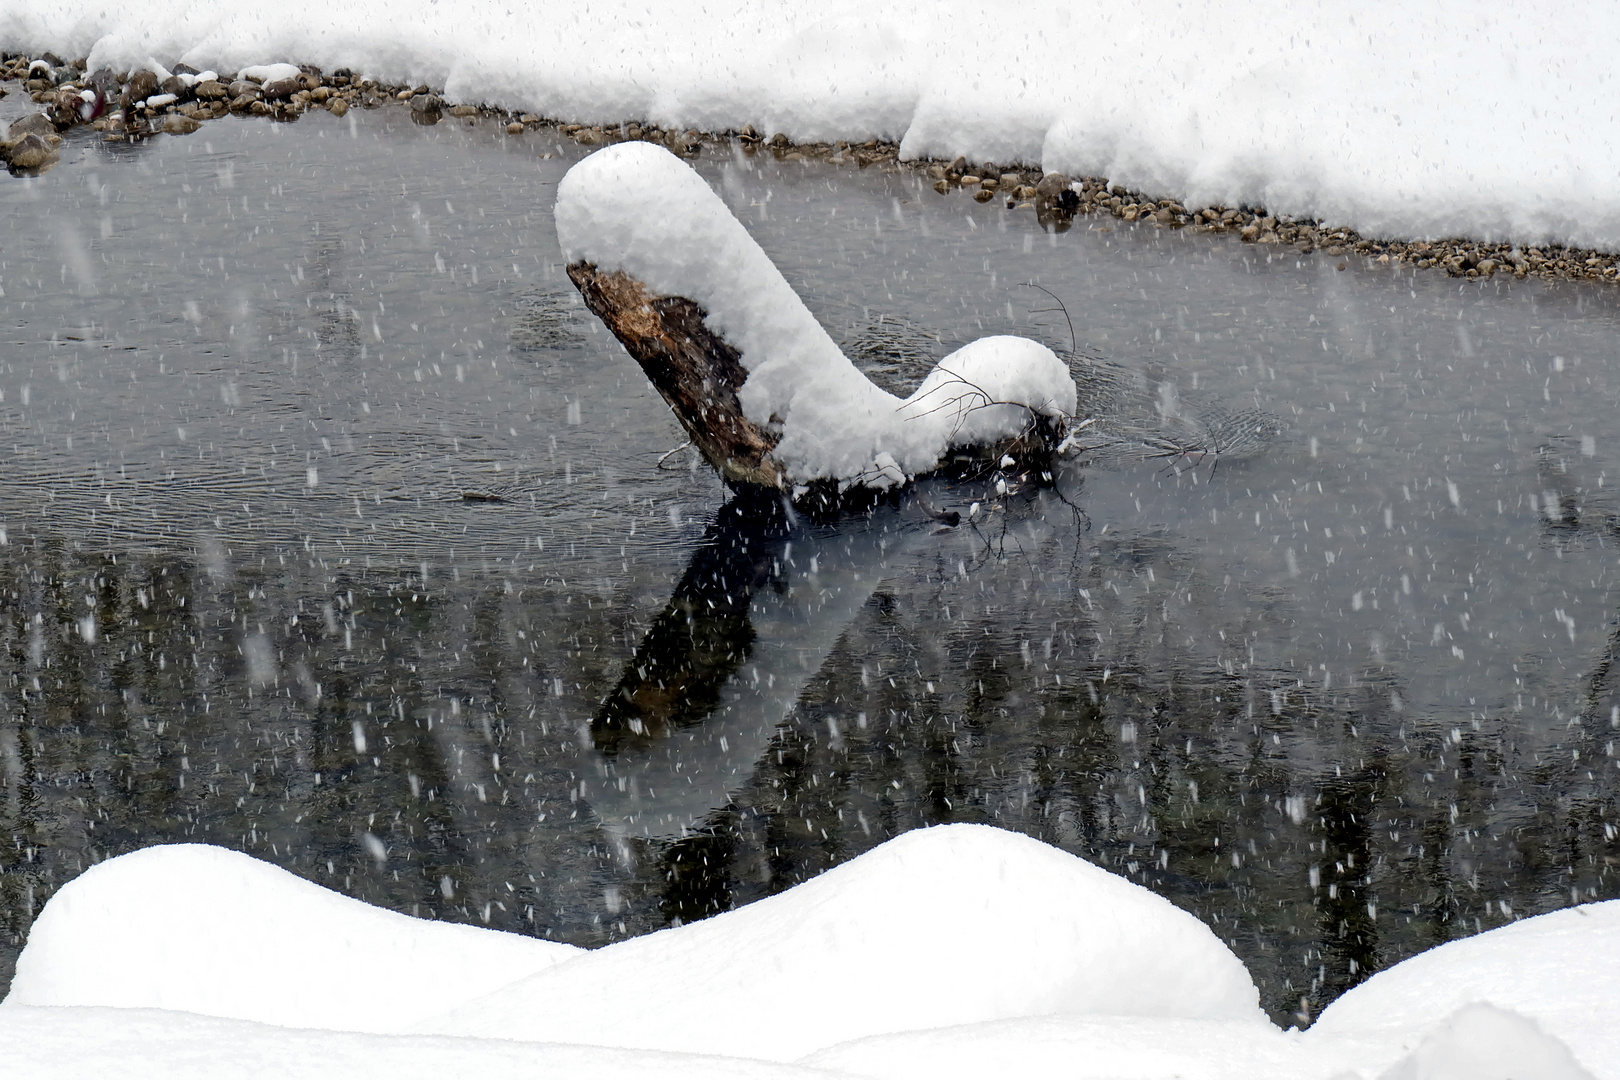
column 1421, row 120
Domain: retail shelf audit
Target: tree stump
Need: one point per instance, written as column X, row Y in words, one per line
column 695, row 370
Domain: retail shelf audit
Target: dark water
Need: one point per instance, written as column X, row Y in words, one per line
column 335, row 531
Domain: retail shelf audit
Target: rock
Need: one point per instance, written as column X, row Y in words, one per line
column 32, row 124
column 464, row 110
column 970, row 180
column 1011, row 179
column 211, row 90
column 781, row 140
column 175, row 85
column 1487, row 266
column 1269, row 237
column 983, row 195
column 243, row 87
column 959, row 166
column 63, row 108
column 257, row 108
column 942, row 186
column 989, row 183
column 1251, row 233
column 29, row 152
column 514, row 128
column 1164, row 215
column 1051, row 184
column 529, row 118
column 425, row 103
column 337, row 106
column 281, row 89
column 179, row 124
column 244, row 103
column 141, row 85
column 1024, row 191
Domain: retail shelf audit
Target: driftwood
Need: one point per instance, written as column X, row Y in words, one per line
column 697, row 372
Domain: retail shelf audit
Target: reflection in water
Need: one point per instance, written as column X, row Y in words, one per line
column 332, row 532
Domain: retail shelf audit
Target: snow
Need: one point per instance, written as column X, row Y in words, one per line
column 1559, row 970
column 957, row 951
column 267, row 73
column 1421, row 119
column 1483, row 1042
column 206, row 930
column 947, row 925
column 835, row 423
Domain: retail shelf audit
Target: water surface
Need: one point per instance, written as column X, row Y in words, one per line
column 337, row 532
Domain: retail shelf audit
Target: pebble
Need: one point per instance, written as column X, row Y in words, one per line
column 983, row 195
column 32, row 124
column 464, row 110
column 425, row 103
column 281, row 89
column 179, row 124
column 141, row 85
column 211, row 90
column 337, row 106
column 514, row 128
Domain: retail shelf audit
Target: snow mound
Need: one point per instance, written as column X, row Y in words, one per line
column 266, row 73
column 1560, row 970
column 1482, row 1042
column 638, row 208
column 941, row 926
column 207, row 930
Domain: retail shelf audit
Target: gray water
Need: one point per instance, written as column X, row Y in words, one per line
column 336, row 531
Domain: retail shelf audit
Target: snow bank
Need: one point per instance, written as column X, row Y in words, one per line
column 1427, row 118
column 941, row 926
column 146, row 1044
column 954, row 952
column 1560, row 970
column 638, row 208
column 207, row 930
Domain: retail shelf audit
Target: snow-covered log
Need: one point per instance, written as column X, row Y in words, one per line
column 767, row 396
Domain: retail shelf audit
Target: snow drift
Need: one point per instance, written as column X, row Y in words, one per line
column 949, row 952
column 1423, row 119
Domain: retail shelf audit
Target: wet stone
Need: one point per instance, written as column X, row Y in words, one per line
column 211, row 90
column 141, row 85
column 281, row 89
column 179, row 124
column 337, row 106
column 32, row 124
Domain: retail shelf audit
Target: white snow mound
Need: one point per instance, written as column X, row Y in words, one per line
column 1560, row 970
column 207, row 930
column 638, row 208
column 938, row 927
column 1482, row 1042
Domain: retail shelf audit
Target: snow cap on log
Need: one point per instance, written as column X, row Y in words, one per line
column 637, row 209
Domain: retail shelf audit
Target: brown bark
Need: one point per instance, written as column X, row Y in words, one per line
column 695, row 370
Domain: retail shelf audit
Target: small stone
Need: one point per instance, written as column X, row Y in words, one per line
column 942, row 186
column 245, row 103
column 588, row 136
column 426, row 103
column 529, row 118
column 175, row 85
column 141, row 85
column 970, row 181
column 259, row 108
column 959, row 166
column 1011, row 179
column 780, row 139
column 1025, row 192
column 1488, row 266
column 989, row 183
column 337, row 106
column 1051, row 184
column 242, row 87
column 464, row 110
column 321, row 94
column 211, row 90
column 1251, row 233
column 983, row 195
column 281, row 89
column 1342, row 265
column 179, row 124
column 404, row 95
column 1270, row 237
column 514, row 128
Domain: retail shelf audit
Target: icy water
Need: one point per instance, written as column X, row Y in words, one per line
column 334, row 530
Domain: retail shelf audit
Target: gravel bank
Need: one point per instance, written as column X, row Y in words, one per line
column 143, row 104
